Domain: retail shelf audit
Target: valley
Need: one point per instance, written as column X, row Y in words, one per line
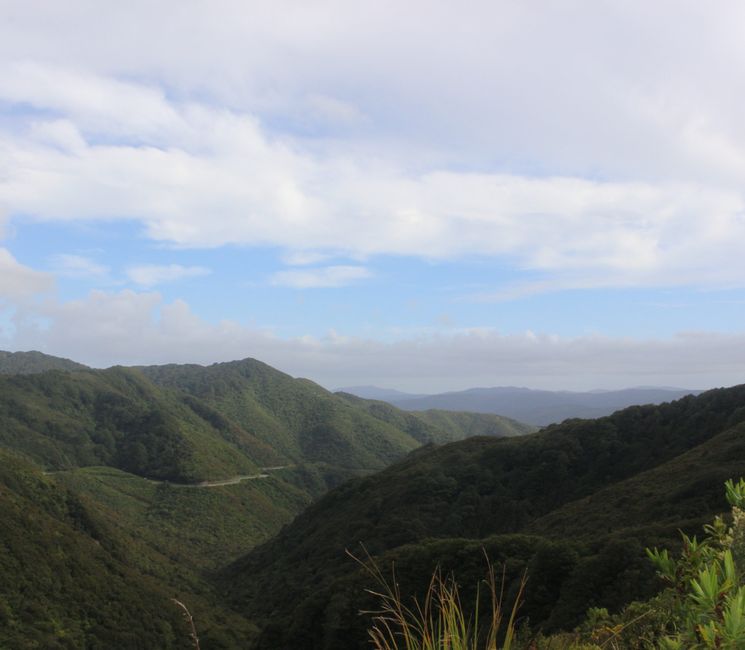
column 241, row 491
column 185, row 469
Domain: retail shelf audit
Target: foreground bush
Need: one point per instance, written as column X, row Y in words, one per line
column 701, row 608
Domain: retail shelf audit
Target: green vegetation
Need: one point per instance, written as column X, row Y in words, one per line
column 706, row 585
column 198, row 528
column 441, row 426
column 575, row 504
column 113, row 417
column 126, row 451
column 297, row 418
column 189, row 423
column 22, row 363
column 64, row 582
column 702, row 606
column 124, row 488
column 462, row 425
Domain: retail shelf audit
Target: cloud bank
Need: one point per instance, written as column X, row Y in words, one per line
column 202, row 177
column 140, row 328
column 368, row 131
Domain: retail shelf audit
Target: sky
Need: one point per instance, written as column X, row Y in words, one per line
column 426, row 196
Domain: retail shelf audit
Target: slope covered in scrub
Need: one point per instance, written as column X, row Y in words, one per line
column 600, row 489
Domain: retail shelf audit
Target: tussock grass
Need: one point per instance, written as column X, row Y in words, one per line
column 440, row 621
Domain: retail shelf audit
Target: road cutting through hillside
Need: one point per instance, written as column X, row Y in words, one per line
column 228, row 481
column 234, row 480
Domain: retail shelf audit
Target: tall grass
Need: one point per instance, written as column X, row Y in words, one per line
column 439, row 621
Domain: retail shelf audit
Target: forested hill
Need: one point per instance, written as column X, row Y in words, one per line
column 599, row 489
column 64, row 580
column 137, row 484
column 115, row 417
column 302, row 421
column 441, row 426
column 162, row 480
column 190, row 423
column 14, row 363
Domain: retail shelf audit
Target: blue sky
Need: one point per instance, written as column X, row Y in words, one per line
column 401, row 294
column 413, row 196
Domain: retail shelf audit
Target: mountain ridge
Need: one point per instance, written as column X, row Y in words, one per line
column 33, row 361
column 541, row 407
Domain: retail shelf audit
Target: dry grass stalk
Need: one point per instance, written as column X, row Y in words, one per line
column 439, row 622
column 190, row 620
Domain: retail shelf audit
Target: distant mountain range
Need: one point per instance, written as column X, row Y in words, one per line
column 376, row 392
column 536, row 407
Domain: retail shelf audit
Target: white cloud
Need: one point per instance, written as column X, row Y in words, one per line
column 98, row 104
column 18, row 281
column 333, row 112
column 78, row 266
column 325, row 277
column 539, row 83
column 305, row 258
column 626, row 167
column 209, row 177
column 150, row 275
column 139, row 328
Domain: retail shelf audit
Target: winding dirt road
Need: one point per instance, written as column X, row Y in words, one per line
column 233, row 480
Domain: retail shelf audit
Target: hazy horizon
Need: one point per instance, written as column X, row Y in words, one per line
column 405, row 392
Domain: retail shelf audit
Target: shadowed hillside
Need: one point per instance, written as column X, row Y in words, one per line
column 64, row 581
column 600, row 489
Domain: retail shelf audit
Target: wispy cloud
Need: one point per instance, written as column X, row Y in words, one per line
column 320, row 278
column 150, row 275
column 18, row 281
column 305, row 258
column 78, row 266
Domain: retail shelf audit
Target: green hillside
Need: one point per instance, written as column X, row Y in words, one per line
column 23, row 363
column 122, row 488
column 440, row 426
column 190, row 423
column 177, row 471
column 63, row 584
column 112, row 417
column 202, row 527
column 461, row 424
column 601, row 489
column 297, row 418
